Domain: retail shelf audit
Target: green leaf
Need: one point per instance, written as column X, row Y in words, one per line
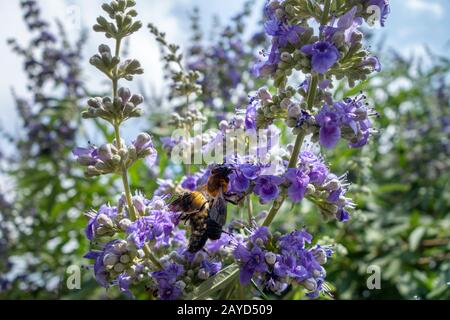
column 415, row 237
column 213, row 284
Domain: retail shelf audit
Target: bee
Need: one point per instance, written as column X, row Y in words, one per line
column 195, row 209
column 206, row 208
column 216, row 188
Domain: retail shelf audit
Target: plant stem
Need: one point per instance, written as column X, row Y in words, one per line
column 124, row 171
column 326, row 12
column 295, row 152
column 250, row 210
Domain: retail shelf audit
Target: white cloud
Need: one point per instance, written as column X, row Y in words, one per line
column 434, row 8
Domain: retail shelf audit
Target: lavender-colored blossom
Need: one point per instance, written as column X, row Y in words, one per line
column 158, row 225
column 210, row 268
column 166, row 280
column 267, row 187
column 385, row 9
column 242, row 175
column 268, row 67
column 251, row 260
column 330, row 131
column 107, row 214
column 298, row 183
column 294, row 242
column 323, row 55
column 190, row 182
column 260, row 235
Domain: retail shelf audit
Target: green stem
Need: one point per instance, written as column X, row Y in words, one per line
column 124, row 171
column 326, row 12
column 312, row 90
column 250, row 210
column 295, row 153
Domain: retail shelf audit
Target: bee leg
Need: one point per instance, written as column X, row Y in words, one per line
column 228, row 233
column 207, row 252
column 234, row 198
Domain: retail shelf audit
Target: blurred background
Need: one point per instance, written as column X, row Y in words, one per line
column 400, row 181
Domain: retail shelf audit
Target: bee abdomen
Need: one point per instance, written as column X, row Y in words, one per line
column 214, row 230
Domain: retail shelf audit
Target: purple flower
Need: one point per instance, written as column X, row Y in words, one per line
column 250, row 115
column 214, row 246
column 385, row 9
column 123, row 281
column 287, row 266
column 347, row 25
column 116, row 248
column 190, row 183
column 105, row 224
column 210, row 268
column 262, row 233
column 294, row 242
column 324, row 55
column 168, row 291
column 241, row 177
column 330, row 131
column 158, row 225
column 166, row 280
column 268, row 67
column 298, row 183
column 251, row 261
column 267, row 187
column 86, row 156
column 372, row 62
column 343, row 215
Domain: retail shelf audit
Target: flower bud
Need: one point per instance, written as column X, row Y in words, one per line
column 203, row 274
column 104, row 220
column 264, row 95
column 310, row 189
column 125, row 259
column 332, row 185
column 310, row 284
column 321, row 256
column 109, row 260
column 138, row 203
column 124, row 94
column 294, row 111
column 159, row 204
column 124, row 224
column 119, row 267
column 271, row 258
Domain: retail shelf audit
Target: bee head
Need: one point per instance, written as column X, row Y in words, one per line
column 222, row 170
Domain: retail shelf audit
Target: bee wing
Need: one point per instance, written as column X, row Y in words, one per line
column 218, row 211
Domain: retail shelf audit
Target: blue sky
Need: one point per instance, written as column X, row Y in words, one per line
column 412, row 24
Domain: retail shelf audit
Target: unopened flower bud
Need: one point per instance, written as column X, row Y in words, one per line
column 138, row 203
column 203, row 274
column 159, row 204
column 124, row 224
column 104, row 220
column 271, row 258
column 109, row 260
column 310, row 284
column 119, row 267
column 332, row 185
column 125, row 259
column 125, row 94
column 264, row 95
column 223, row 125
column 321, row 256
column 105, row 152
